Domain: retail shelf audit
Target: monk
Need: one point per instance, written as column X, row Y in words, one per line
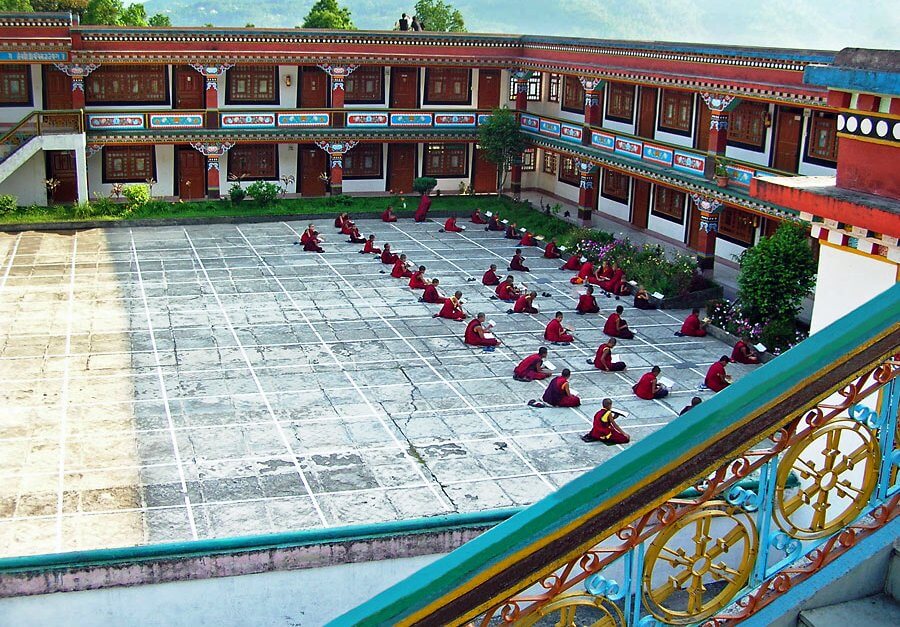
column 573, row 263
column 605, row 428
column 370, row 246
column 494, row 224
column 400, row 270
column 340, row 220
column 518, row 262
column 532, row 367
column 476, row 333
column 692, row 327
column 432, row 294
column 616, row 283
column 557, row 393
column 355, row 236
column 511, row 232
column 642, row 300
column 308, row 233
column 528, row 240
column 743, row 353
column 313, row 243
column 476, row 217
column 605, row 273
column 490, row 276
column 387, row 256
column 616, row 327
column 599, row 275
column 506, row 291
column 551, row 250
column 584, row 272
column 452, row 309
column 417, row 280
column 587, row 303
column 556, row 332
column 716, row 377
column 603, row 359
column 388, row 215
column 421, row 213
column 450, row 226
column 648, row 387
column 525, row 303
column 694, row 402
column 347, row 225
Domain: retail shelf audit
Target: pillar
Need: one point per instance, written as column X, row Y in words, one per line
column 586, row 171
column 593, row 91
column 708, row 227
column 212, row 152
column 77, row 72
column 336, row 152
column 520, row 81
column 719, row 107
column 81, row 180
column 337, row 74
column 211, row 74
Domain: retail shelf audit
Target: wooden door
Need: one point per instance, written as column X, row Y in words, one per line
column 704, row 117
column 640, row 203
column 312, row 163
column 484, row 174
column 313, row 85
column 646, row 125
column 488, row 89
column 404, row 87
column 190, row 88
column 190, row 173
column 789, row 123
column 401, row 168
column 61, row 166
column 57, row 89
column 693, row 231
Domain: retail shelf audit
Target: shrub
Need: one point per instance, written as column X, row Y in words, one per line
column 264, row 192
column 236, row 193
column 424, row 184
column 82, row 211
column 103, row 206
column 8, row 204
column 341, row 200
column 137, row 195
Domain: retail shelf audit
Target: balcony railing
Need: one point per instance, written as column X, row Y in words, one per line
column 621, row 545
column 39, row 123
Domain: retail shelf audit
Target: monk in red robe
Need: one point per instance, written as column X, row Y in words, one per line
column 308, row 233
column 642, row 300
column 648, row 387
column 551, row 250
column 432, row 294
column 574, row 263
column 603, row 359
column 387, row 257
column 518, row 262
column 584, row 272
column 532, row 367
column 556, row 332
column 694, row 402
column 370, row 246
column 388, row 215
column 557, row 393
column 616, row 327
column 511, row 232
column 417, row 280
column 692, row 327
column 313, row 242
column 400, row 269
column 355, row 236
column 452, row 309
column 605, row 429
column 616, row 284
column 476, row 217
column 340, row 220
column 494, row 224
column 421, row 213
column 598, row 276
column 450, row 226
column 506, row 291
column 587, row 303
column 716, row 377
column 477, row 334
column 525, row 304
column 490, row 276
column 527, row 240
column 743, row 353
column 347, row 225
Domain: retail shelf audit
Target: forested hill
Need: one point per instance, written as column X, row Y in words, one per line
column 822, row 24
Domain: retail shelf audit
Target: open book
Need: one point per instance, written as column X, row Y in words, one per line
column 658, row 295
column 504, row 221
column 614, row 357
column 668, row 383
column 562, row 248
column 488, row 336
column 760, row 347
column 548, row 365
column 488, row 213
column 522, row 230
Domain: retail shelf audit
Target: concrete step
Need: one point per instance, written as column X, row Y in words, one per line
column 892, row 581
column 874, row 611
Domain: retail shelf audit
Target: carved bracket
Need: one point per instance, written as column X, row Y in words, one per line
column 338, row 73
column 212, row 152
column 212, row 73
column 77, row 72
column 336, row 151
column 719, row 102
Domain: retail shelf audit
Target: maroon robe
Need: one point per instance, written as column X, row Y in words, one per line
column 556, row 333
column 527, row 240
column 516, row 263
column 473, row 339
column 529, row 368
column 450, row 226
column 522, row 305
column 477, row 219
column 389, row 257
column 451, row 310
column 503, row 292
column 644, row 387
column 587, row 304
column 490, row 278
column 606, row 430
column 603, row 360
column 422, row 212
column 573, row 263
column 550, row 251
column 417, row 281
column 715, row 377
column 556, row 394
column 400, row 271
column 431, row 295
column 371, row 248
column 741, row 354
column 611, row 328
column 388, row 216
column 692, row 326
column 494, row 224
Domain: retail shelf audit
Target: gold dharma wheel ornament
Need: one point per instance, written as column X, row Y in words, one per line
column 597, row 611
column 695, row 566
column 837, row 465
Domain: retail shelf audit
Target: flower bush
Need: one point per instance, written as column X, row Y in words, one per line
column 777, row 335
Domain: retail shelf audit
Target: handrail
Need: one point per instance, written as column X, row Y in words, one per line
column 622, row 512
column 39, row 119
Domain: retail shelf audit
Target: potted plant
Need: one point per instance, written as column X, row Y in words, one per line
column 721, row 172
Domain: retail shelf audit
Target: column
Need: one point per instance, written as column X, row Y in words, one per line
column 77, row 72
column 212, row 152
column 719, row 106
column 337, row 74
column 211, row 74
column 520, row 81
column 593, row 92
column 708, row 226
column 586, row 171
column 81, row 180
column 336, row 151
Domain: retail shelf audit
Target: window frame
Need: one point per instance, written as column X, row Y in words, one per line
column 529, row 160
column 367, row 147
column 610, row 92
column 554, row 87
column 665, row 123
column 429, row 74
column 815, row 118
column 28, row 100
column 564, row 172
column 667, row 212
column 378, row 96
column 230, row 82
column 565, row 103
column 550, row 163
column 105, row 70
column 535, row 87
column 108, row 151
column 746, row 141
column 615, row 193
column 426, row 164
column 259, row 146
column 727, row 231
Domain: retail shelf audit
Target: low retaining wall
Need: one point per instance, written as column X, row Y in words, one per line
column 728, row 338
column 694, row 299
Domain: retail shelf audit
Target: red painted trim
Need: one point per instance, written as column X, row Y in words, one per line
column 867, row 102
column 868, row 167
column 839, row 99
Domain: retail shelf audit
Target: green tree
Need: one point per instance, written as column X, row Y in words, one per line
column 54, row 6
column 16, row 6
column 159, row 19
column 328, row 14
column 438, row 15
column 104, row 12
column 776, row 274
column 501, row 141
column 134, row 15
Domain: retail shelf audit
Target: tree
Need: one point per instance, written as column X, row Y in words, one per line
column 56, row 6
column 104, row 12
column 329, row 14
column 16, row 6
column 438, row 15
column 134, row 15
column 159, row 19
column 501, row 141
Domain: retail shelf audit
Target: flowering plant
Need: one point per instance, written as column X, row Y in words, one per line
column 777, row 335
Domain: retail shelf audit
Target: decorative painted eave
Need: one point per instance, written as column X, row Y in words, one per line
column 36, row 20
column 280, row 136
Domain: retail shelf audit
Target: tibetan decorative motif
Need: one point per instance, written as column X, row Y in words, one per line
column 719, row 102
column 336, row 151
column 106, row 122
column 572, row 133
column 248, row 120
column 411, row 119
column 658, row 154
column 367, row 119
column 872, row 126
column 483, row 117
column 603, row 140
column 529, row 122
column 628, row 147
column 454, row 119
column 165, row 121
column 739, row 175
column 77, row 71
column 688, row 162
column 302, row 120
column 338, row 73
column 705, row 204
column 550, row 127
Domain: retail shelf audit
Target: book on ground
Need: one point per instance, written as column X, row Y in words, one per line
column 573, row 392
column 504, row 221
column 491, row 323
column 539, row 238
column 488, row 336
column 667, row 382
column 614, row 357
column 632, row 283
column 658, row 295
column 549, row 365
column 521, row 230
column 760, row 347
column 563, row 248
column 488, row 213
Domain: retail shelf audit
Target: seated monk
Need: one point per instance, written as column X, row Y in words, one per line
column 421, row 213
column 400, row 269
column 432, row 294
column 506, row 291
column 551, row 251
column 716, row 377
column 603, row 358
column 743, row 353
column 417, row 280
column 525, row 303
column 574, row 263
column 490, row 276
column 587, row 303
column 450, row 226
column 370, row 246
column 527, row 240
column 642, row 300
column 648, row 387
column 692, row 327
column 584, row 272
column 312, row 243
column 339, row 221
column 556, row 332
column 616, row 327
column 494, row 224
column 387, row 256
column 476, row 217
column 616, row 283
column 355, row 237
column 557, row 393
column 477, row 333
column 388, row 215
column 518, row 262
column 511, row 232
column 308, row 233
column 694, row 402
column 452, row 309
column 601, row 274
column 532, row 367
column 347, row 225
column 605, row 428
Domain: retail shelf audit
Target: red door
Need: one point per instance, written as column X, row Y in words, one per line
column 401, row 167
column 190, row 88
column 57, row 89
column 312, row 164
column 640, row 203
column 704, row 117
column 191, row 173
column 647, row 114
column 484, row 175
column 787, row 139
column 61, row 166
column 404, row 87
column 488, row 89
column 313, row 88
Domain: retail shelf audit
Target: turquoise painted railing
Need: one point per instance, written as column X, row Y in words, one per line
column 622, row 545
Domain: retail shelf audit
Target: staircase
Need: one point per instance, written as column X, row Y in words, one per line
column 29, row 136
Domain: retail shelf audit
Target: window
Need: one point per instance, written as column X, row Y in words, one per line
column 822, row 145
column 116, row 84
column 747, row 125
column 128, row 164
column 364, row 85
column 550, row 161
column 15, row 85
column 620, row 102
column 676, row 110
column 448, row 86
column 668, row 204
column 534, row 85
column 737, row 226
column 252, row 84
column 446, row 160
column 615, row 186
column 253, row 162
column 568, row 172
column 529, row 160
column 573, row 95
column 553, row 88
column 363, row 162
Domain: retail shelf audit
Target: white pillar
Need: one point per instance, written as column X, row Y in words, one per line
column 81, row 170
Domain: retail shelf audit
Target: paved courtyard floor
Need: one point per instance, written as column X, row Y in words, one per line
column 163, row 384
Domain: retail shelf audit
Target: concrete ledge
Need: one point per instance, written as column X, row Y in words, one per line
column 728, row 338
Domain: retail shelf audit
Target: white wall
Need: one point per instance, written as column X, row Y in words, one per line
column 11, row 115
column 839, row 289
column 165, row 173
column 667, row 227
column 27, row 182
column 370, row 185
column 727, row 250
column 609, row 207
column 659, row 134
